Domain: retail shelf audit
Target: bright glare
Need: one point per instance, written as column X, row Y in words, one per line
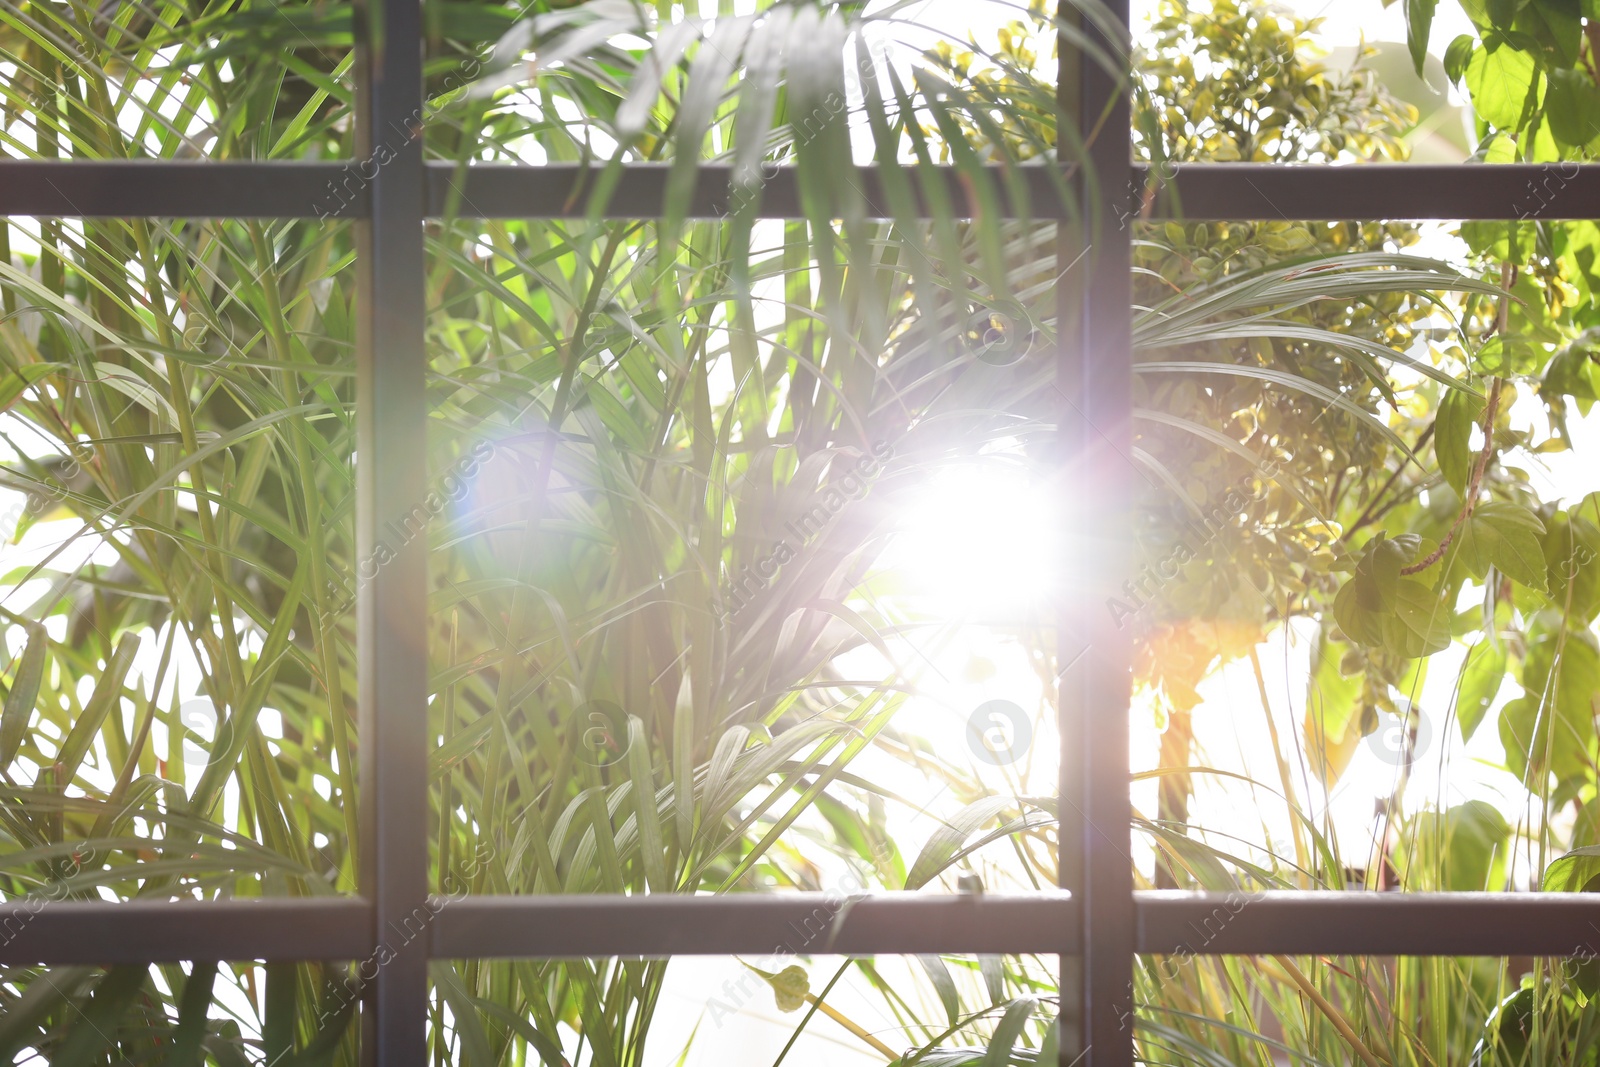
column 981, row 538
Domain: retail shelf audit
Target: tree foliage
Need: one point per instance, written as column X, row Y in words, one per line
column 666, row 456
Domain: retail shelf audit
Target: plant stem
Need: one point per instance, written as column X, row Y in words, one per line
column 1335, row 1016
column 1473, row 486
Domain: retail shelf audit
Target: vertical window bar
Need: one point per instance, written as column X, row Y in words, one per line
column 391, row 479
column 1094, row 298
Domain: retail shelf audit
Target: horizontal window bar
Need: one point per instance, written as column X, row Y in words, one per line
column 160, row 931
column 187, row 189
column 1390, row 191
column 804, row 923
column 1200, row 191
column 1352, row 924
column 495, row 191
column 1370, row 924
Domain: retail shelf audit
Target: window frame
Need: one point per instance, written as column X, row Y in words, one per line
column 1095, row 921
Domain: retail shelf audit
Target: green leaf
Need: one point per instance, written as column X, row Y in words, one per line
column 1499, row 240
column 944, row 842
column 1573, row 372
column 277, row 1031
column 25, row 1013
column 1462, row 850
column 642, row 776
column 1457, row 55
column 24, row 375
column 1555, row 716
column 112, row 996
column 185, row 1050
column 1572, row 106
column 1510, row 535
column 475, row 1050
column 1452, row 436
column 1008, row 1031
column 1481, row 675
column 1505, row 86
column 1522, row 733
column 548, row 1048
column 1333, row 701
column 1571, row 552
column 1331, row 693
column 944, row 985
column 1572, row 872
column 1378, row 573
column 1362, row 625
column 1557, row 26
column 23, row 694
column 1419, row 23
column 107, row 693
column 1509, row 354
column 1425, row 615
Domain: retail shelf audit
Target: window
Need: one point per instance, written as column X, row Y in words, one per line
column 390, row 914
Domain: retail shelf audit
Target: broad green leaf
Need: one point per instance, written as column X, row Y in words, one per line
column 1482, row 673
column 1332, row 693
column 1425, row 614
column 1505, row 85
column 1572, row 106
column 1419, row 23
column 1573, row 372
column 1552, row 725
column 1361, row 625
column 1458, row 55
column 1516, row 548
column 1452, row 436
column 1572, row 561
column 1557, row 25
column 1572, row 872
column 1462, row 850
column 1510, row 354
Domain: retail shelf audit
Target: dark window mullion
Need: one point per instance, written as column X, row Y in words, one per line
column 391, row 479
column 1094, row 381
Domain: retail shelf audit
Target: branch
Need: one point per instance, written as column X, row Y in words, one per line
column 1508, row 275
column 1472, row 487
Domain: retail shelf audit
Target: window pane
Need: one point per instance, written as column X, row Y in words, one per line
column 1261, row 1009
column 694, row 85
column 789, row 558
column 169, row 81
column 225, row 1013
column 1311, row 408
column 718, row 1009
column 177, row 508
